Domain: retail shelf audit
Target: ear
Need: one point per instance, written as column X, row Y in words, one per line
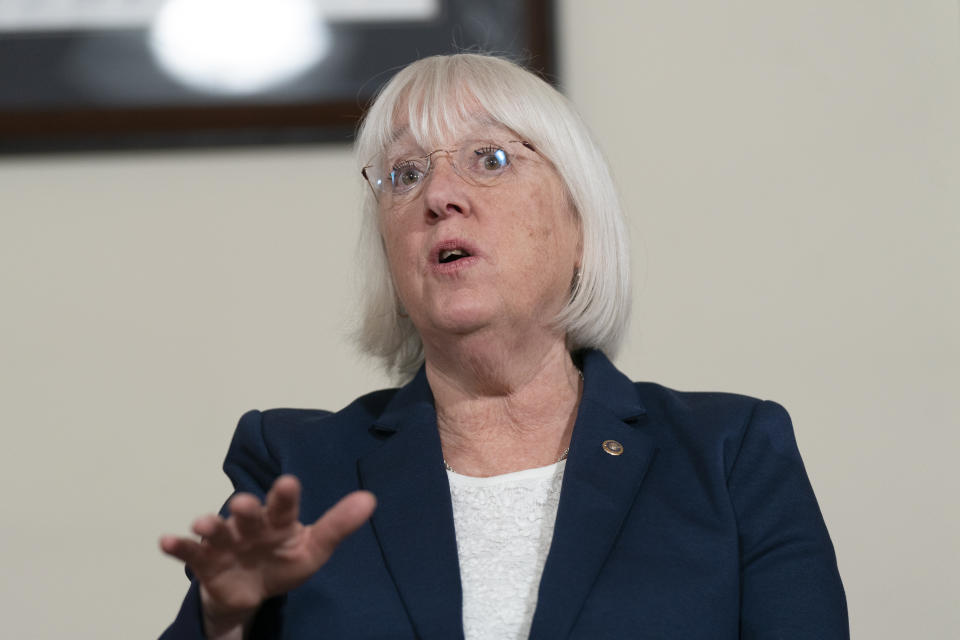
column 579, row 252
column 568, row 200
column 575, row 281
column 578, row 263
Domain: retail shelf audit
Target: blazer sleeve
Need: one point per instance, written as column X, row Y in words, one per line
column 790, row 586
column 252, row 468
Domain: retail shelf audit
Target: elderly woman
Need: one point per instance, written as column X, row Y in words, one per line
column 524, row 486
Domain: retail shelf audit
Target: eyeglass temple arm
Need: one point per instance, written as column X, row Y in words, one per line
column 366, row 179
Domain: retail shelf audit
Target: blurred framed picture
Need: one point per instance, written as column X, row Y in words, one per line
column 121, row 74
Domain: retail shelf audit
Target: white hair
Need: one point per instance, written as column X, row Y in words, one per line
column 434, row 96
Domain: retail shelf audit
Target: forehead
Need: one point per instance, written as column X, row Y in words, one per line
column 405, row 137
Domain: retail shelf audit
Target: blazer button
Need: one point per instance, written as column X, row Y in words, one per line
column 612, row 447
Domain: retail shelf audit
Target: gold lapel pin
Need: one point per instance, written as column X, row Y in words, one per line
column 612, row 447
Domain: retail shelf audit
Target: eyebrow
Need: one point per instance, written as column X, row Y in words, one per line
column 486, row 121
column 397, row 133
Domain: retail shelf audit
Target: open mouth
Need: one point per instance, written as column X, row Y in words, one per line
column 452, row 255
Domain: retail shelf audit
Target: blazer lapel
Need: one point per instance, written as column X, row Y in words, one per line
column 597, row 493
column 413, row 521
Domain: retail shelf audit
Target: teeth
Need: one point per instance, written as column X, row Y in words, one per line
column 453, row 252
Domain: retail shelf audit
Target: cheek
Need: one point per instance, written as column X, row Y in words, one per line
column 401, row 254
column 547, row 231
column 394, row 233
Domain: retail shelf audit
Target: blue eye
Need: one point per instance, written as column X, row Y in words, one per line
column 405, row 176
column 492, row 158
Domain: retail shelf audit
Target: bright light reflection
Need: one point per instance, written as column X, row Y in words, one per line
column 238, row 46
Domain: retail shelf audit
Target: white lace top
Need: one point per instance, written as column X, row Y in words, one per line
column 504, row 526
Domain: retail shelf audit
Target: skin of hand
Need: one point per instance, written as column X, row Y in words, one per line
column 262, row 550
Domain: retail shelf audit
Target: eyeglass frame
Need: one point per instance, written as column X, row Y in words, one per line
column 429, row 158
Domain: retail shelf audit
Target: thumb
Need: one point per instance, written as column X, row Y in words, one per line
column 340, row 521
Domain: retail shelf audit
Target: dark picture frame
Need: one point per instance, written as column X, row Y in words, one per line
column 97, row 90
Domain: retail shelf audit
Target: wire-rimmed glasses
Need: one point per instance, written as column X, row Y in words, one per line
column 480, row 162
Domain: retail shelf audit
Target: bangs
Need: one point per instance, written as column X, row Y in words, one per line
column 446, row 99
column 435, row 107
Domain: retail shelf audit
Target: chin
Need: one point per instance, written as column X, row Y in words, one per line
column 461, row 319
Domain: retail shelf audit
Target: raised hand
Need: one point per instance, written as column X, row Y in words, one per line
column 262, row 550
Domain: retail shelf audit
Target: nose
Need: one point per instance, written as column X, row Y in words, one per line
column 445, row 192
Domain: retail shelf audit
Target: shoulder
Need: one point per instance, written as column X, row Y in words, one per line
column 716, row 422
column 661, row 399
column 284, row 422
column 721, row 410
column 704, row 426
column 369, row 405
column 300, row 441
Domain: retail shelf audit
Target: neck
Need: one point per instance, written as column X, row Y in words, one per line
column 503, row 407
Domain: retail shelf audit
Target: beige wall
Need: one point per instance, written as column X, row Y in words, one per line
column 790, row 171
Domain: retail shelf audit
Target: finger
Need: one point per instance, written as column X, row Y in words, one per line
column 283, row 502
column 198, row 556
column 340, row 521
column 247, row 514
column 184, row 549
column 214, row 531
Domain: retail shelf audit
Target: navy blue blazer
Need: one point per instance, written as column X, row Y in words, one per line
column 705, row 527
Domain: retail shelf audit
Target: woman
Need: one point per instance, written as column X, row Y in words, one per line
column 524, row 486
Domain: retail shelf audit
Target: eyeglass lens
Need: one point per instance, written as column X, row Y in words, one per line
column 482, row 162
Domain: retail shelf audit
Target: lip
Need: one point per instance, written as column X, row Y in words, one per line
column 457, row 265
